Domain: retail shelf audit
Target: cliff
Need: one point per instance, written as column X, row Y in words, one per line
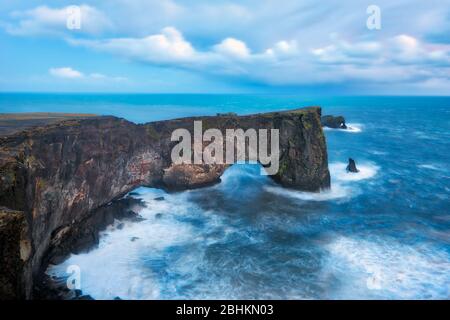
column 53, row 177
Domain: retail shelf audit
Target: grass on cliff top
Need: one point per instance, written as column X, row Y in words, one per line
column 43, row 115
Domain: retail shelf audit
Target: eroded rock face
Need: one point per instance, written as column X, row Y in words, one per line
column 333, row 122
column 15, row 251
column 57, row 175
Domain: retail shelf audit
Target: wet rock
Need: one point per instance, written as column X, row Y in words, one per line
column 351, row 167
column 134, row 239
column 158, row 215
column 159, row 199
column 333, row 122
column 84, row 235
column 62, row 175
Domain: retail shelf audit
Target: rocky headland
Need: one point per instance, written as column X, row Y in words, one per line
column 58, row 178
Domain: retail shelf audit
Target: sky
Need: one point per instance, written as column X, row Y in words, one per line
column 247, row 46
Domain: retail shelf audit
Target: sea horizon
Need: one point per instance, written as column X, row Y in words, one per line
column 242, row 151
column 349, row 232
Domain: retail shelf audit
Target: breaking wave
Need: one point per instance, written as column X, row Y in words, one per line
column 383, row 268
column 339, row 173
column 351, row 128
column 341, row 187
column 337, row 191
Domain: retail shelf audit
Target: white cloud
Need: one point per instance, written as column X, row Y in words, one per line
column 73, row 74
column 282, row 64
column 283, row 48
column 293, row 44
column 44, row 20
column 401, row 51
column 168, row 46
column 233, row 48
column 66, row 73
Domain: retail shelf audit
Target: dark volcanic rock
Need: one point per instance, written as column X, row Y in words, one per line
column 333, row 122
column 159, row 199
column 60, row 178
column 84, row 235
column 351, row 167
column 49, row 288
column 15, row 251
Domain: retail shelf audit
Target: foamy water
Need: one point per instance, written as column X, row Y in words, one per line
column 337, row 191
column 340, row 188
column 381, row 233
column 338, row 172
column 351, row 128
column 186, row 249
column 113, row 269
column 385, row 269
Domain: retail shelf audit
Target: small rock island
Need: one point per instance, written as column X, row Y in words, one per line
column 333, row 122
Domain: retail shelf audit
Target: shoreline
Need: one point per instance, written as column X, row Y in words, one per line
column 58, row 173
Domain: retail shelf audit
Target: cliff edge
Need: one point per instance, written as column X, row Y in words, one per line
column 54, row 176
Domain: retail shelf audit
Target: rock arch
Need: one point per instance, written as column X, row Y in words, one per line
column 55, row 176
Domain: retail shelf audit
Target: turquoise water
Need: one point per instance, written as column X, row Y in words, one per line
column 382, row 233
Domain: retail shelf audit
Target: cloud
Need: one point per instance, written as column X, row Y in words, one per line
column 71, row 74
column 286, row 62
column 66, row 73
column 283, row 48
column 44, row 20
column 344, row 52
column 233, row 48
column 409, row 50
column 168, row 46
column 261, row 42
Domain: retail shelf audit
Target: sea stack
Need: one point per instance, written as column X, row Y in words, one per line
column 351, row 167
column 333, row 122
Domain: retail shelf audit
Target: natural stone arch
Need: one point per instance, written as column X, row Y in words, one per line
column 57, row 176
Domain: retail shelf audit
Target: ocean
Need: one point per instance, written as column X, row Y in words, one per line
column 383, row 233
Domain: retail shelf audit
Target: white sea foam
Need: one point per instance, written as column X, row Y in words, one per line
column 351, row 128
column 338, row 171
column 337, row 191
column 341, row 187
column 429, row 166
column 127, row 260
column 388, row 269
column 378, row 153
column 354, row 127
column 115, row 267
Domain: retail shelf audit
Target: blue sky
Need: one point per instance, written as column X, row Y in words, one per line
column 226, row 46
